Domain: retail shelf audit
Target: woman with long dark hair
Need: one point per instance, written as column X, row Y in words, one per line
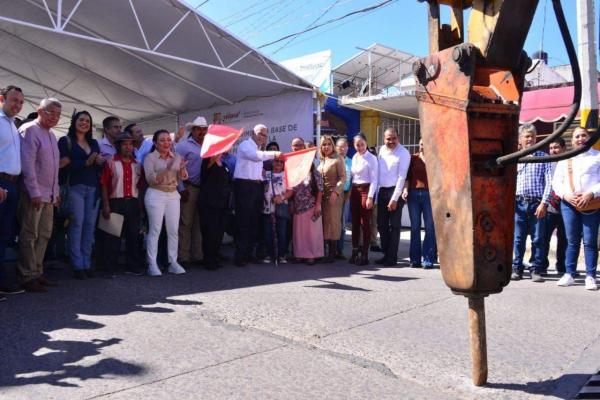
column 577, row 182
column 164, row 169
column 80, row 162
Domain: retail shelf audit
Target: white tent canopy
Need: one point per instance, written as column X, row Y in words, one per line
column 137, row 59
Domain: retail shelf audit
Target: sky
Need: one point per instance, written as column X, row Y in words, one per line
column 402, row 24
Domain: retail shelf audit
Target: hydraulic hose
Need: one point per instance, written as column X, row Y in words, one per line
column 521, row 155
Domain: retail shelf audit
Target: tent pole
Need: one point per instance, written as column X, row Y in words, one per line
column 318, row 98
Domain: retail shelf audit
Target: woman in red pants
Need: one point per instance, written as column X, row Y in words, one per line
column 364, row 186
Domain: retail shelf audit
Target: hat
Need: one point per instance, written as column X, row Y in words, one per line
column 199, row 121
column 124, row 136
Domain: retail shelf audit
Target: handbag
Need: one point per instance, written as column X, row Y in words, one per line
column 594, row 203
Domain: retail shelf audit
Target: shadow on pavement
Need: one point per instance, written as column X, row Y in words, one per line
column 564, row 387
column 31, row 355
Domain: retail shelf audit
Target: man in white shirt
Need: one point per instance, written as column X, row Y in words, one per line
column 11, row 102
column 394, row 161
column 248, row 191
column 112, row 128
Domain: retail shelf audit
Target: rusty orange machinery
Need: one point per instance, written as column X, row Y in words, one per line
column 469, row 98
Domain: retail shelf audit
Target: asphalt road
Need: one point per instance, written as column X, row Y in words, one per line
column 296, row 332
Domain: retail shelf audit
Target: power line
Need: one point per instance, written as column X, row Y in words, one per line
column 258, row 23
column 333, row 28
column 309, row 26
column 235, row 14
column 282, row 21
column 201, row 4
column 254, row 13
column 362, row 10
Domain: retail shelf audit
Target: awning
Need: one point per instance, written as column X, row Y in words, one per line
column 137, row 59
column 546, row 105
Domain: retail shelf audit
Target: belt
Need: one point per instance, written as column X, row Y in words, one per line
column 528, row 199
column 8, row 177
column 249, row 180
column 361, row 185
column 388, row 188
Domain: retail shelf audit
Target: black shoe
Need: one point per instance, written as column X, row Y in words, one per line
column 10, row 290
column 377, row 249
column 413, row 265
column 88, row 273
column 362, row 262
column 213, row 267
column 79, row 275
column 381, row 261
column 388, row 263
column 327, row 260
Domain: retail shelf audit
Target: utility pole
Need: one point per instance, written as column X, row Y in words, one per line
column 586, row 35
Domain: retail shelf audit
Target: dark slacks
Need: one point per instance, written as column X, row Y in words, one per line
column 361, row 217
column 555, row 221
column 389, row 224
column 8, row 220
column 212, row 226
column 109, row 246
column 248, row 212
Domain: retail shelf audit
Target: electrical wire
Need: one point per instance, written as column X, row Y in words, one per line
column 245, row 18
column 309, row 26
column 242, row 11
column 362, row 10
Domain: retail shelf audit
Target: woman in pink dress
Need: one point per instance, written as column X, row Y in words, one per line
column 308, row 224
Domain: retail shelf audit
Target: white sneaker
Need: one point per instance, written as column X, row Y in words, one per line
column 153, row 270
column 566, row 280
column 176, row 269
column 590, row 283
column 266, row 260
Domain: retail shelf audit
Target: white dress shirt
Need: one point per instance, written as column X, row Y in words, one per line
column 143, row 151
column 365, row 170
column 107, row 149
column 393, row 167
column 250, row 159
column 10, row 146
column 586, row 175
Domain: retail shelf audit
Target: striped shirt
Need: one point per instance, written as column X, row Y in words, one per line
column 535, row 180
column 122, row 179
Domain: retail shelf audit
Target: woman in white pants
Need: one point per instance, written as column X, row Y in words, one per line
column 164, row 169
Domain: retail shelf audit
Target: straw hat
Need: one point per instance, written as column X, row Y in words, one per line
column 198, row 122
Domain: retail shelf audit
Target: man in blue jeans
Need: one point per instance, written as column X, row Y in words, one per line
column 554, row 219
column 534, row 183
column 11, row 102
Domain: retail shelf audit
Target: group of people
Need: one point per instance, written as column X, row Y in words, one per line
column 311, row 215
column 558, row 196
column 170, row 208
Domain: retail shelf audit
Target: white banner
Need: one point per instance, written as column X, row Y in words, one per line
column 287, row 116
column 315, row 68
